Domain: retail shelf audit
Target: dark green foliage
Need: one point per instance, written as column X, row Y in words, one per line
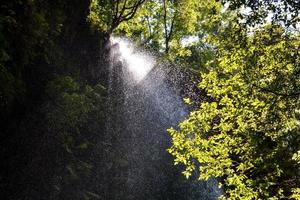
column 51, row 99
column 285, row 11
column 69, row 111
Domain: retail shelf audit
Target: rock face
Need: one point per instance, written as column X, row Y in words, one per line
column 45, row 39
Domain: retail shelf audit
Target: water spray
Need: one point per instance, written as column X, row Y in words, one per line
column 137, row 62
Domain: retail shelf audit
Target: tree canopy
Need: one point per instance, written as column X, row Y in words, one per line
column 247, row 53
column 249, row 134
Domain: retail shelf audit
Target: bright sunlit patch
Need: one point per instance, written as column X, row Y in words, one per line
column 139, row 64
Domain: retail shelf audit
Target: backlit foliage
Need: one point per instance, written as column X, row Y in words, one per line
column 107, row 15
column 249, row 135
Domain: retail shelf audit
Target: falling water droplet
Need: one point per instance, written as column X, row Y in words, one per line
column 138, row 116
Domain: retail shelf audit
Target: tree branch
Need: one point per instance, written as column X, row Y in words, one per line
column 165, row 26
column 287, row 95
column 120, row 17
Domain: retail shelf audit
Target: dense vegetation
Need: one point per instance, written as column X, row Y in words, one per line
column 50, row 97
column 249, row 134
column 248, row 55
column 53, row 80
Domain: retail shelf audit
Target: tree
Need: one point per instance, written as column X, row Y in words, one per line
column 248, row 136
column 163, row 25
column 109, row 14
column 285, row 11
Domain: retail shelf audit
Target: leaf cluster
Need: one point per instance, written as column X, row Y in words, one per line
column 248, row 136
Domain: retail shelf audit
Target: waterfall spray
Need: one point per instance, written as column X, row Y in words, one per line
column 142, row 105
column 138, row 63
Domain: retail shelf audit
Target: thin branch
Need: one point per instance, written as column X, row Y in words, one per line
column 120, row 17
column 138, row 3
column 117, row 8
column 165, row 26
column 149, row 25
column 129, row 15
column 286, row 95
column 171, row 29
column 281, row 94
column 123, row 9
